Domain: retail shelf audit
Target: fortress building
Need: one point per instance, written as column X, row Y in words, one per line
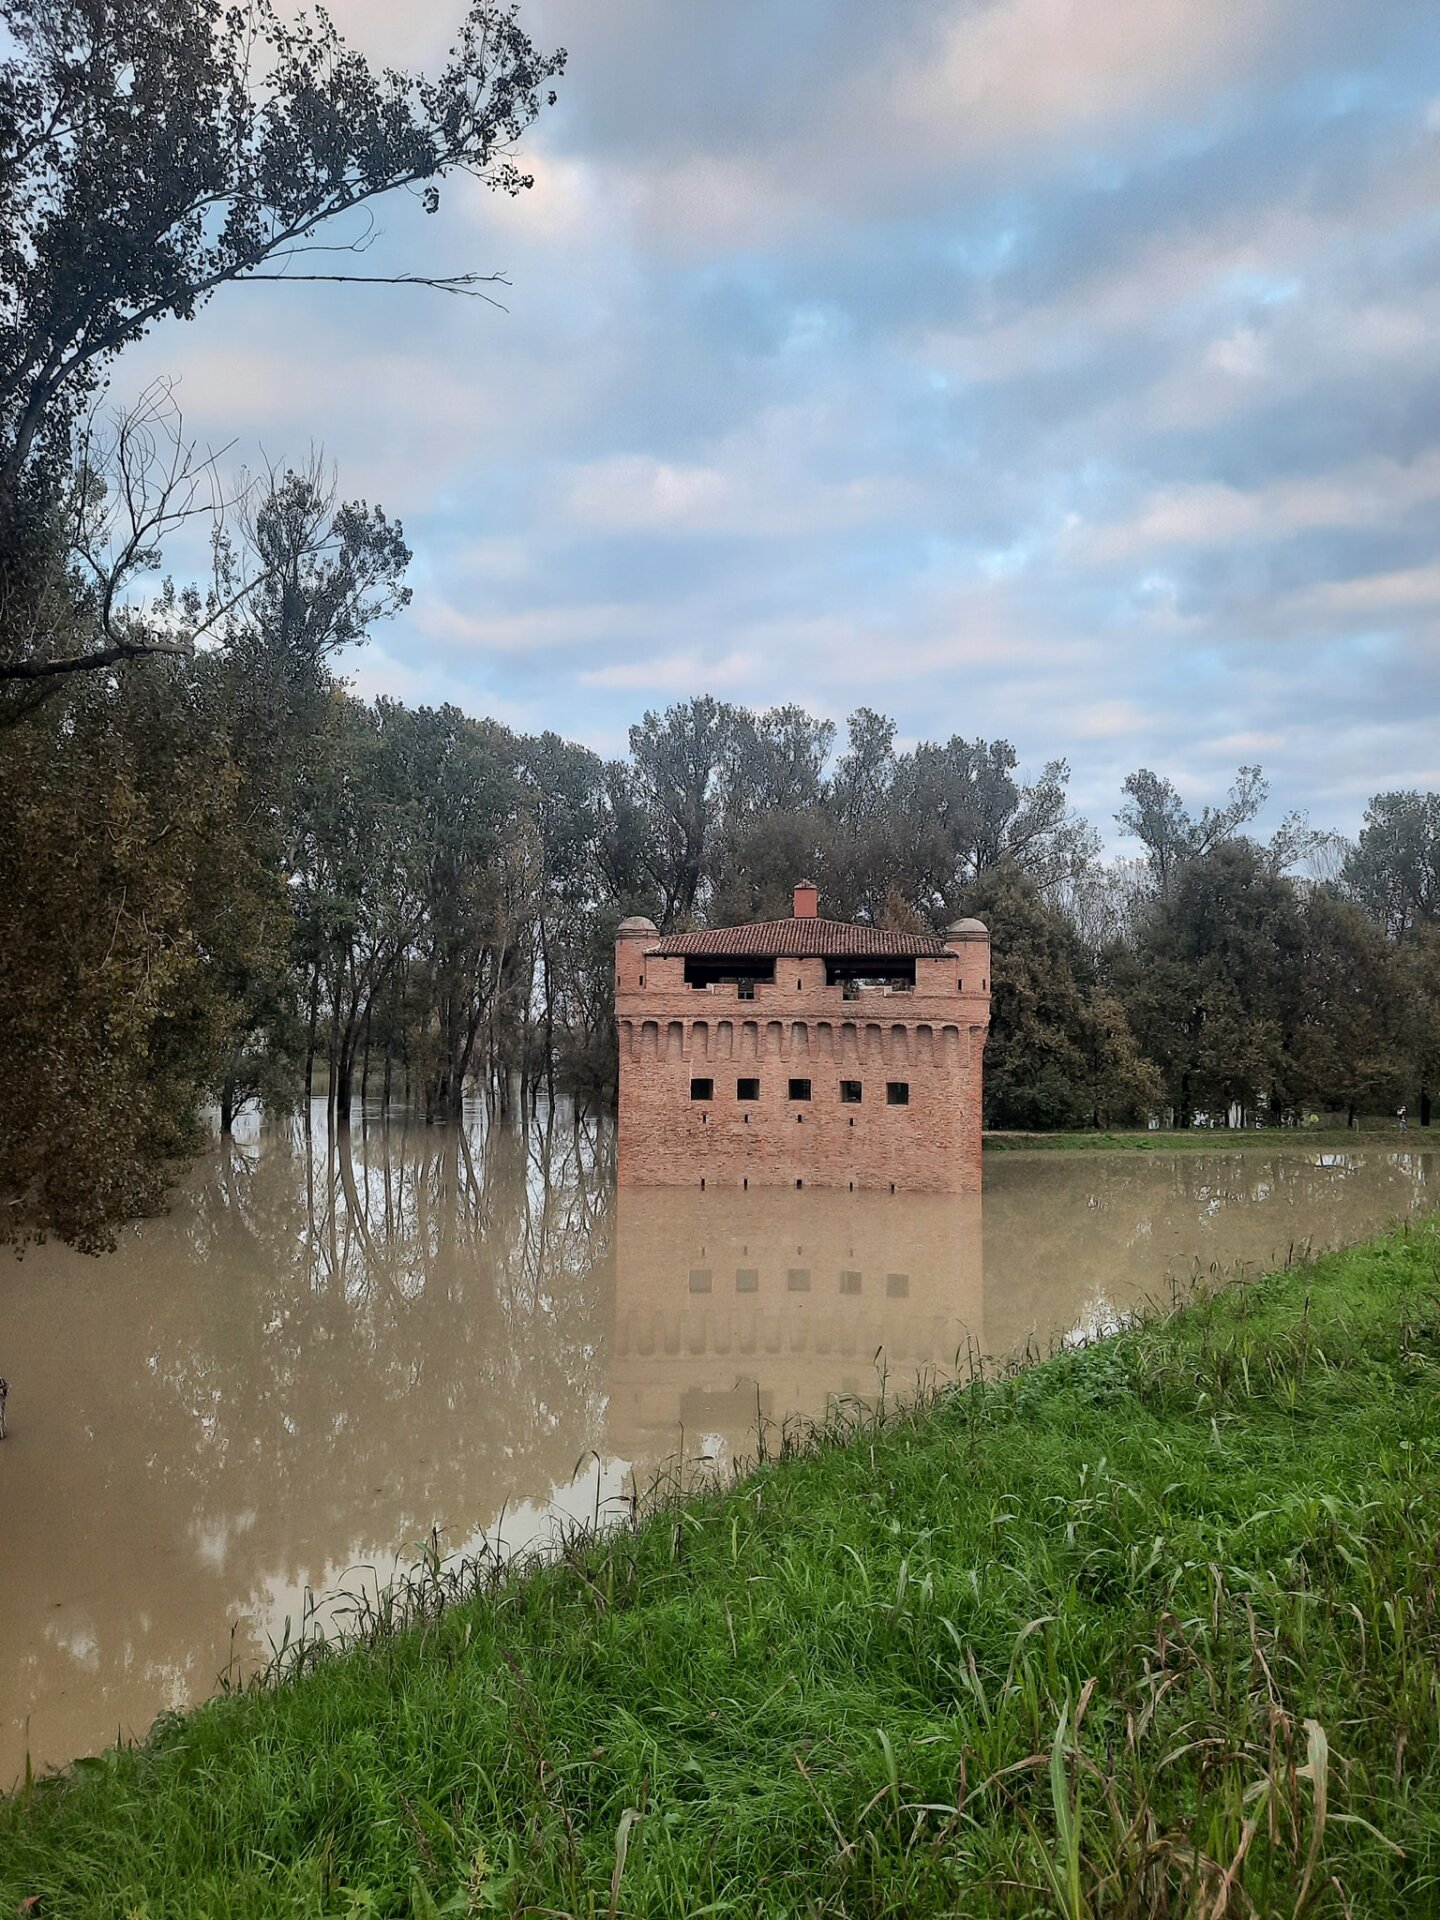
column 802, row 1053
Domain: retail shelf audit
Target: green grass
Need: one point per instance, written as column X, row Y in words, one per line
column 1372, row 1133
column 1150, row 1629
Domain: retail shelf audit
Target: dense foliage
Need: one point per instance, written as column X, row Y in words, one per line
column 228, row 879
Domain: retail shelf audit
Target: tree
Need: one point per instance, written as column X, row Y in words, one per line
column 1351, row 1049
column 1155, row 815
column 1394, row 871
column 1060, row 1051
column 960, row 811
column 1214, row 999
column 679, row 763
column 132, row 894
column 152, row 151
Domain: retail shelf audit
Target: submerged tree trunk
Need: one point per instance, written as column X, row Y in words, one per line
column 310, row 1035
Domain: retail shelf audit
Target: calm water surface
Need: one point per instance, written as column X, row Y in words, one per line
column 330, row 1346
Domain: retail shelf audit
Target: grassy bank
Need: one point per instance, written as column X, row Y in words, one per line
column 1377, row 1133
column 1151, row 1629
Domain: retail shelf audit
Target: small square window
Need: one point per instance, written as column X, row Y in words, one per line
column 702, row 1089
column 700, row 1279
column 798, row 1279
column 897, row 1285
column 850, row 1092
column 747, row 1089
column 744, row 989
column 897, row 1093
column 849, row 1281
column 747, row 1279
column 799, row 1089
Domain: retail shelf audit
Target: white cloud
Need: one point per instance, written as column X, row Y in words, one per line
column 684, row 673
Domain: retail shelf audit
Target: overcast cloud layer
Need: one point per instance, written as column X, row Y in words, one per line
column 1057, row 369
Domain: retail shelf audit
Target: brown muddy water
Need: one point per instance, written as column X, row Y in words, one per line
column 330, row 1346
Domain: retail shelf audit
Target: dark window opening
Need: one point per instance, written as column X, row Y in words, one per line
column 851, row 1093
column 726, row 969
column 897, row 1093
column 642, row 979
column 702, row 1089
column 799, row 1089
column 799, row 1183
column 799, row 984
column 747, row 1089
column 744, row 989
column 871, row 971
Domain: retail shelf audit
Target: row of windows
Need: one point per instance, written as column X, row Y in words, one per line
column 852, row 1092
column 850, row 989
column 797, row 1280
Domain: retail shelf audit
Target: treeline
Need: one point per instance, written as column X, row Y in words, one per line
column 223, row 879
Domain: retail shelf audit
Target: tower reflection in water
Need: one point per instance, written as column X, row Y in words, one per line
column 733, row 1307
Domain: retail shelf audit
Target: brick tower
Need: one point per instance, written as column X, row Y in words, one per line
column 802, row 1052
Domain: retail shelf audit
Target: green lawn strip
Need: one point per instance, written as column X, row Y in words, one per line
column 851, row 1684
column 1383, row 1134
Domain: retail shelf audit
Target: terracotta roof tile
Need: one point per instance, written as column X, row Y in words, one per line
column 804, row 938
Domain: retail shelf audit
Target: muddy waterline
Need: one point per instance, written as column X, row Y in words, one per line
column 331, row 1345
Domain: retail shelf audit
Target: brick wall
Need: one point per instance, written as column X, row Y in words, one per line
column 931, row 1041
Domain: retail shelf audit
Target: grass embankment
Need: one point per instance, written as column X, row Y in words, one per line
column 1150, row 1629
column 1372, row 1134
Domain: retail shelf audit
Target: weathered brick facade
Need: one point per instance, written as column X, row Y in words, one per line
column 713, row 1072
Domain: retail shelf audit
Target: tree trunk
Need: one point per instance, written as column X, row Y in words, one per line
column 310, row 1034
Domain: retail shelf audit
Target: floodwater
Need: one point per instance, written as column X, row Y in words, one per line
column 331, row 1345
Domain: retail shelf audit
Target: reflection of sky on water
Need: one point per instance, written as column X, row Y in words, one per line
column 329, row 1347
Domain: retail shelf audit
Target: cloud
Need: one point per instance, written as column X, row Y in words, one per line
column 1056, row 369
column 684, row 673
column 1364, row 494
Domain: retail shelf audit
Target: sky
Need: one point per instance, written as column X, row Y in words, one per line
column 1066, row 371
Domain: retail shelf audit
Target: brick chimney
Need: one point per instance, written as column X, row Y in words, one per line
column 807, row 900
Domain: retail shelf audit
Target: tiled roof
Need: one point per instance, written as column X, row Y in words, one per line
column 805, row 938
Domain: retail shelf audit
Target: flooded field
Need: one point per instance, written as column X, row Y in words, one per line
column 331, row 1346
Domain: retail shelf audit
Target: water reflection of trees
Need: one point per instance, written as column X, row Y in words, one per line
column 332, row 1344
